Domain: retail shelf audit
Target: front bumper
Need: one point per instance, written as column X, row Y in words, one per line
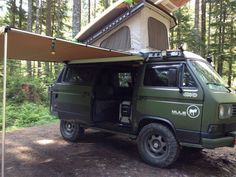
column 229, row 141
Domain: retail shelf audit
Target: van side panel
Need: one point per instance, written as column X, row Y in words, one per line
column 182, row 110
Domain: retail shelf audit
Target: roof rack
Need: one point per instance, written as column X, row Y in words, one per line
column 162, row 55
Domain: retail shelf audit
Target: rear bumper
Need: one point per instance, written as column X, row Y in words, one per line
column 229, row 141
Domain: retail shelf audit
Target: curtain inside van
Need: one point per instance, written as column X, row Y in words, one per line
column 157, row 34
column 120, row 40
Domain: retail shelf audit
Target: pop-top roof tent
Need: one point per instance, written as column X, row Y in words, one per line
column 133, row 27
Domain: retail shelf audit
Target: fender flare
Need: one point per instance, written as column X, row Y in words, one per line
column 151, row 119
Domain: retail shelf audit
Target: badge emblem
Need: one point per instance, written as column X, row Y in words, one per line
column 193, row 111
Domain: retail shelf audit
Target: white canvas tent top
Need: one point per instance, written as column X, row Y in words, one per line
column 22, row 45
column 133, row 27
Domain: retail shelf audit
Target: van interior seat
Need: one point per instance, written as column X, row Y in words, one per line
column 104, row 92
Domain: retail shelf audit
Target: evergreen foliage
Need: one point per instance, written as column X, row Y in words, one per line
column 215, row 37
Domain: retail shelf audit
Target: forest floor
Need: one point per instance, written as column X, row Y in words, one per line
column 41, row 152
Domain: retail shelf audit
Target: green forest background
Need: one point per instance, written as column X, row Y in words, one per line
column 207, row 27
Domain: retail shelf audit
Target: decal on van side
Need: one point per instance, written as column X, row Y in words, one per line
column 192, row 111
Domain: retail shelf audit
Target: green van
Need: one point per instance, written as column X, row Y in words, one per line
column 165, row 100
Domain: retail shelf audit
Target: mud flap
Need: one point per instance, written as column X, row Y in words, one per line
column 233, row 134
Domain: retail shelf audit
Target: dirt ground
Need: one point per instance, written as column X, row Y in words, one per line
column 41, row 152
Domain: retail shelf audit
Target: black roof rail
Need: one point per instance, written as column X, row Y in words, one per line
column 162, row 55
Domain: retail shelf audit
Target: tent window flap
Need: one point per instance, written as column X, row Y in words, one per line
column 157, row 34
column 120, row 40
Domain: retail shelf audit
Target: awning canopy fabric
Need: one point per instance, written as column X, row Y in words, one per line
column 24, row 45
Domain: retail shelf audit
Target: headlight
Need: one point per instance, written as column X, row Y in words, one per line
column 225, row 111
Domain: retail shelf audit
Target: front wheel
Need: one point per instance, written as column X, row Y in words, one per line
column 157, row 145
column 71, row 131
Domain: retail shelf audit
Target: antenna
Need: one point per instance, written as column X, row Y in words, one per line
column 209, row 59
column 181, row 47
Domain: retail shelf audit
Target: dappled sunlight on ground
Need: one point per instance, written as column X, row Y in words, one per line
column 41, row 152
column 45, row 141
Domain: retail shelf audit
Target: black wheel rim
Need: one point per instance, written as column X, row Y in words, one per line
column 156, row 145
column 69, row 128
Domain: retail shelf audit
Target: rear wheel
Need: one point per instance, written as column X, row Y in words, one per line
column 71, row 131
column 157, row 145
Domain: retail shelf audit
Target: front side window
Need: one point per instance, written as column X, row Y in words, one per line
column 187, row 79
column 161, row 76
column 209, row 76
column 158, row 75
column 79, row 75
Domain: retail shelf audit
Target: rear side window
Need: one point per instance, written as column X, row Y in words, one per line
column 79, row 75
column 125, row 79
column 158, row 75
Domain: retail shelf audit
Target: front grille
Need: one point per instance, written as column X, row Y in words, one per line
column 234, row 110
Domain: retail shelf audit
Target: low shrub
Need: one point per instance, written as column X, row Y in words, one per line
column 26, row 114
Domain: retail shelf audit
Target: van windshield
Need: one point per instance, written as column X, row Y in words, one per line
column 209, row 76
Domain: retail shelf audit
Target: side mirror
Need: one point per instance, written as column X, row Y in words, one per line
column 172, row 77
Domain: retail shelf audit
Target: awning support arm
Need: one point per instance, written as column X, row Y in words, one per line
column 4, row 100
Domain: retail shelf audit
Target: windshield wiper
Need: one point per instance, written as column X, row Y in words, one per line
column 228, row 88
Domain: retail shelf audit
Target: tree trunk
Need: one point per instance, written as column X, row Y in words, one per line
column 106, row 4
column 221, row 38
column 20, row 15
column 38, row 10
column 14, row 9
column 231, row 52
column 203, row 29
column 76, row 17
column 49, row 18
column 29, row 27
column 196, row 19
column 53, row 18
column 37, row 16
column 172, row 39
column 196, row 25
column 59, row 16
column 209, row 28
column 94, row 8
column 48, row 29
column 89, row 10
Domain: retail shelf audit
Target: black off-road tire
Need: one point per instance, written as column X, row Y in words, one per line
column 71, row 131
column 157, row 145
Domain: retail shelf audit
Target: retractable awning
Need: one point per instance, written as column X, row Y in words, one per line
column 24, row 45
